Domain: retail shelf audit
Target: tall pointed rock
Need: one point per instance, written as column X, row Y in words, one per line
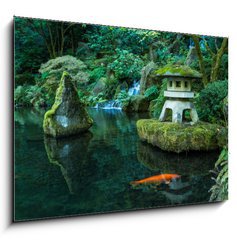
column 68, row 115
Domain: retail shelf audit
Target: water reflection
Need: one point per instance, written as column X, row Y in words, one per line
column 192, row 166
column 91, row 173
column 29, row 117
column 192, row 163
column 71, row 156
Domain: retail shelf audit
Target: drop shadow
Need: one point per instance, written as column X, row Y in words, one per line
column 205, row 206
column 10, row 119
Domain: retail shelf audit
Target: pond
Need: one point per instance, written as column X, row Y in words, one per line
column 91, row 173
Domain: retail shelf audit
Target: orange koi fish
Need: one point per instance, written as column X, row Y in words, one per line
column 157, row 179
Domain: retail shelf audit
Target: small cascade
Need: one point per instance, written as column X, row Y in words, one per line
column 117, row 104
column 135, row 89
column 111, row 104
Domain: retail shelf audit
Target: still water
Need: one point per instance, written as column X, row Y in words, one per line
column 91, row 173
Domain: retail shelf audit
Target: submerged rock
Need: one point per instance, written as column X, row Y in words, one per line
column 68, row 115
column 175, row 137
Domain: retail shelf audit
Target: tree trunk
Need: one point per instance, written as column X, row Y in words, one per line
column 72, row 39
column 217, row 62
column 200, row 60
column 52, row 45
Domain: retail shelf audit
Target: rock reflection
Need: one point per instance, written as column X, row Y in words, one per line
column 71, row 156
column 191, row 163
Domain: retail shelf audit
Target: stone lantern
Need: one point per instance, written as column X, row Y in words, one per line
column 179, row 92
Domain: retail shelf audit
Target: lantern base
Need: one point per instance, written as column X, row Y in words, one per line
column 178, row 107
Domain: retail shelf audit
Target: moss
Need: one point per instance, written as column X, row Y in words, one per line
column 178, row 70
column 176, row 137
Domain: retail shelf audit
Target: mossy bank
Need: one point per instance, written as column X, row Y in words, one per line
column 178, row 138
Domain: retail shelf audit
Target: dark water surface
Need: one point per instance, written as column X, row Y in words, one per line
column 91, row 173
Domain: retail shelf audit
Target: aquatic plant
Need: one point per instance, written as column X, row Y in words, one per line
column 219, row 191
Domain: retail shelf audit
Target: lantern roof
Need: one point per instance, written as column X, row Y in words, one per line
column 178, row 71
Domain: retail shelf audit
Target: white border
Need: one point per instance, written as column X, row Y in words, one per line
column 215, row 221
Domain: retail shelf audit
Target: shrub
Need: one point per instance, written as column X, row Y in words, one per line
column 93, row 100
column 151, row 93
column 123, row 96
column 28, row 95
column 210, row 102
column 97, row 73
column 20, row 96
column 126, row 65
column 52, row 71
column 24, row 78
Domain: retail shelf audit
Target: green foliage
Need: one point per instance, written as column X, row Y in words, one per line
column 151, row 93
column 93, row 100
column 52, row 71
column 19, row 96
column 126, row 65
column 223, row 71
column 115, row 53
column 219, row 191
column 97, row 73
column 122, row 95
column 30, row 50
column 24, row 78
column 210, row 103
column 157, row 108
column 30, row 95
column 104, row 40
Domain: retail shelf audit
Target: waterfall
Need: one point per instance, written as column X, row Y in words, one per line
column 111, row 104
column 117, row 104
column 135, row 89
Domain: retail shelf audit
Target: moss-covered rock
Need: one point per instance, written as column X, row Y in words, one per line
column 148, row 78
column 68, row 115
column 137, row 103
column 99, row 86
column 191, row 58
column 175, row 137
